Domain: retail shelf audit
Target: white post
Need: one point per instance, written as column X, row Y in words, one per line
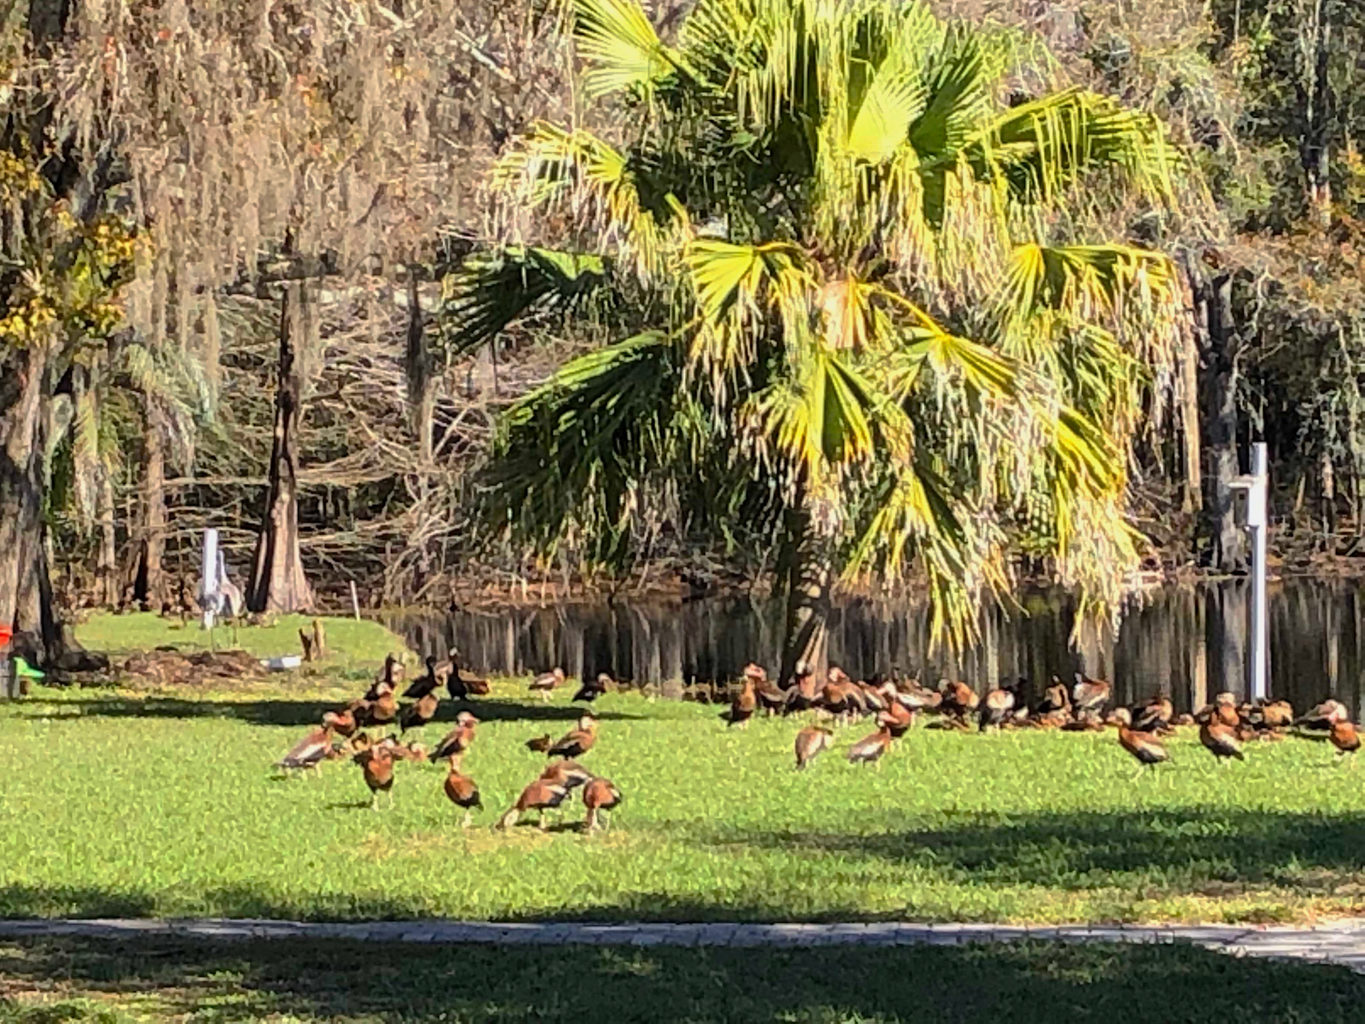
column 1258, row 521
column 208, row 588
column 355, row 602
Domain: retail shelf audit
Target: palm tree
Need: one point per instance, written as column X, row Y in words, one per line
column 862, row 307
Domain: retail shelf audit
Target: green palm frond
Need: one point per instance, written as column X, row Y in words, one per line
column 621, row 48
column 596, row 183
column 735, row 288
column 1046, row 144
column 491, row 291
column 1088, row 281
column 571, row 456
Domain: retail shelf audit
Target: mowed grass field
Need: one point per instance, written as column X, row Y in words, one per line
column 61, row 981
column 153, row 804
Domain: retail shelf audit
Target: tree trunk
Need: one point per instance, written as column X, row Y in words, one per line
column 21, row 386
column 277, row 581
column 36, row 616
column 806, row 640
column 1317, row 100
column 1216, row 327
column 150, row 585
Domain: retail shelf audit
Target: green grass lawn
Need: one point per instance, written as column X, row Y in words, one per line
column 168, row 805
column 61, row 981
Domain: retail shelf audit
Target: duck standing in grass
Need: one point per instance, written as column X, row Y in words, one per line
column 599, row 796
column 576, row 742
column 546, row 682
column 426, row 683
column 308, row 752
column 462, row 791
column 1143, row 746
column 458, row 740
column 1089, row 696
column 567, row 773
column 1220, row 740
column 809, row 742
column 343, row 722
column 592, row 689
column 539, row 796
column 377, row 766
column 417, row 715
column 871, row 748
column 744, row 705
column 461, row 686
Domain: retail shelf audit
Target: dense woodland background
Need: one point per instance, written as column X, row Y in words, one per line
column 248, row 210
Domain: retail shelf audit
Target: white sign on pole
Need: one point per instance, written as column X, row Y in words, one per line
column 208, row 590
column 1253, row 512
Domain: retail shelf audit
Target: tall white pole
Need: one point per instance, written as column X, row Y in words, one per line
column 1258, row 520
column 208, row 587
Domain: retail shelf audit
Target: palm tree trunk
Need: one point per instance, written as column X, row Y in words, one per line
column 106, row 569
column 807, row 565
column 277, row 581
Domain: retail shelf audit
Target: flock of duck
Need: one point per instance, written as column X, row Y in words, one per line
column 894, row 703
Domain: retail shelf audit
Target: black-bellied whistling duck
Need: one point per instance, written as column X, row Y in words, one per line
column 547, row 681
column 1055, row 699
column 567, row 773
column 539, row 796
column 1220, row 740
column 576, row 742
column 389, row 677
column 343, row 722
column 1141, row 745
column 869, row 749
column 425, row 683
column 957, row 699
column 1322, row 717
column 377, row 766
column 1153, row 716
column 897, row 717
column 804, row 691
column 1345, row 738
column 771, row 697
column 382, row 710
column 309, row 751
column 462, row 791
column 1225, row 709
column 1089, row 696
column 456, row 741
column 417, row 715
column 744, row 705
column 410, row 752
column 599, row 796
column 592, row 689
column 360, row 741
column 809, row 742
column 997, row 706
column 874, row 700
column 841, row 698
column 461, row 685
column 1270, row 715
column 539, row 744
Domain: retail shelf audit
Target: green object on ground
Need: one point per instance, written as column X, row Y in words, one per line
column 25, row 670
column 80, row 981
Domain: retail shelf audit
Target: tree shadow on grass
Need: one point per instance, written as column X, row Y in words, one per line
column 1206, row 850
column 297, row 713
column 316, row 980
